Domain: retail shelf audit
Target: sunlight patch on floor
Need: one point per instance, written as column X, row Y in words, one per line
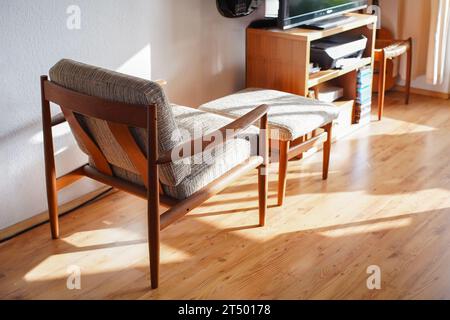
column 367, row 228
column 413, row 127
column 118, row 258
column 100, row 237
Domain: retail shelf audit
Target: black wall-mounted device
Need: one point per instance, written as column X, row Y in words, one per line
column 237, row 8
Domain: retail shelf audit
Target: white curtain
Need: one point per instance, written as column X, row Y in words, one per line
column 427, row 22
column 438, row 51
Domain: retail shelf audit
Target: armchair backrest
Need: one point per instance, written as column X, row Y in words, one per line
column 132, row 93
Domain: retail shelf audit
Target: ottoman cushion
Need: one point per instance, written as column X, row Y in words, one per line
column 294, row 116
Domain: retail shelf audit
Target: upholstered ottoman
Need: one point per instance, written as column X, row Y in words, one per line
column 294, row 122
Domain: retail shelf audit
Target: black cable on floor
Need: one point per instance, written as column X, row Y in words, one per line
column 90, row 201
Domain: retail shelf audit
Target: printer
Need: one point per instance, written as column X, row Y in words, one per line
column 333, row 52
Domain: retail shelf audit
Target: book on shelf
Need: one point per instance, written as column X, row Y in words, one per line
column 364, row 76
column 362, row 112
column 363, row 90
column 364, row 100
column 364, row 86
column 365, row 71
column 361, row 86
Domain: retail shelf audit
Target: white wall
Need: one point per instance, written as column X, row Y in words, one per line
column 444, row 87
column 186, row 42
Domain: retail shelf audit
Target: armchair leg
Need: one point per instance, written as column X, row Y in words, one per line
column 327, row 150
column 154, row 246
column 408, row 72
column 153, row 217
column 52, row 194
column 50, row 171
column 282, row 172
column 154, row 227
column 52, row 200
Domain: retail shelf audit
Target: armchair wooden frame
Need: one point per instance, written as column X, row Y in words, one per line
column 120, row 117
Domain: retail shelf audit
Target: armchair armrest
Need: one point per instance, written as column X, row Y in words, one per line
column 236, row 126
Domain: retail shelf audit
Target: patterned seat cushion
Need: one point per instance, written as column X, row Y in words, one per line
column 209, row 166
column 294, row 116
column 118, row 87
column 206, row 167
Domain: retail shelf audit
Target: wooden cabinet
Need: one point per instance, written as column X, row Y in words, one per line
column 279, row 59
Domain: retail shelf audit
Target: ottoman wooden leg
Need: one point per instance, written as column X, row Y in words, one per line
column 327, row 150
column 300, row 156
column 282, row 172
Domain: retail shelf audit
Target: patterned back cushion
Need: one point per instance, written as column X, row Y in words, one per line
column 118, row 87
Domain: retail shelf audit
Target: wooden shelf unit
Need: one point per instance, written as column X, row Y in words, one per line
column 327, row 75
column 279, row 59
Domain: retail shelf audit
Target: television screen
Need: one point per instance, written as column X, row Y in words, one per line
column 297, row 12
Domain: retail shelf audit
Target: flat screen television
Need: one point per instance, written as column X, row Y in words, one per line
column 293, row 13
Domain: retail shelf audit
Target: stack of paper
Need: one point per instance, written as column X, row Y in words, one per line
column 330, row 93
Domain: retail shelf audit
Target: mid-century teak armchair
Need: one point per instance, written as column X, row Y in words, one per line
column 125, row 125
